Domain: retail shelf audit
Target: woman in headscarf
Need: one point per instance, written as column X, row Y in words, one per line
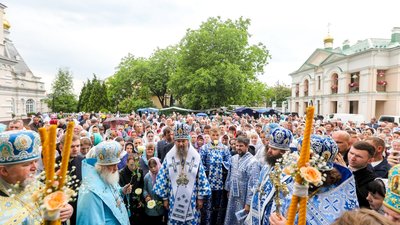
column 154, row 209
column 150, row 151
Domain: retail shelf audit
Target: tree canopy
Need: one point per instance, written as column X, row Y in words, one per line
column 217, row 66
column 62, row 97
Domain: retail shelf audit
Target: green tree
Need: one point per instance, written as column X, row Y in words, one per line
column 217, row 66
column 278, row 93
column 162, row 64
column 126, row 84
column 62, row 97
column 84, row 96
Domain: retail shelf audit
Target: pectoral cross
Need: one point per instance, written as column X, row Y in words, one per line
column 279, row 186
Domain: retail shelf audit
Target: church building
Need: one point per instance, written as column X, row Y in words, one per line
column 21, row 92
column 362, row 78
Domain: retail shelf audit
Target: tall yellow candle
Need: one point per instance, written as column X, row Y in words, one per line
column 44, row 140
column 66, row 154
column 51, row 156
column 304, row 158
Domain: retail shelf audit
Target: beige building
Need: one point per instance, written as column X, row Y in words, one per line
column 21, row 92
column 363, row 78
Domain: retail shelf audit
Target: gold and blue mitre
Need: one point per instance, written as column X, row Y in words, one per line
column 181, row 132
column 392, row 197
column 19, row 146
column 107, row 153
column 280, row 139
column 323, row 146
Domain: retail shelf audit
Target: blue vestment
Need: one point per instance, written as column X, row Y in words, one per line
column 164, row 187
column 217, row 161
column 242, row 179
column 99, row 202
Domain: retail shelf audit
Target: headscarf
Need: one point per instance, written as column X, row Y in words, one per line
column 97, row 138
column 153, row 176
column 144, row 156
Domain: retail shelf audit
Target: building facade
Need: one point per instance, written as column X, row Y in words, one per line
column 21, row 92
column 363, row 78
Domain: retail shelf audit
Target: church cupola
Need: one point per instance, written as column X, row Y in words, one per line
column 328, row 42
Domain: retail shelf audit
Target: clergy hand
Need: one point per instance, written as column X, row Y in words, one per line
column 199, row 204
column 166, row 204
column 127, row 189
column 247, row 208
column 274, row 219
column 66, row 212
column 339, row 160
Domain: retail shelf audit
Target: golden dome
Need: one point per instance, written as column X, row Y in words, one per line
column 328, row 39
column 6, row 24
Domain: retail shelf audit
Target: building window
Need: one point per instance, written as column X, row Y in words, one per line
column 30, row 106
column 335, row 83
column 297, row 90
column 381, row 81
column 354, row 82
column 306, row 88
column 319, row 82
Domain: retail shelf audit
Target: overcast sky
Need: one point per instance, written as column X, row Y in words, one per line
column 91, row 36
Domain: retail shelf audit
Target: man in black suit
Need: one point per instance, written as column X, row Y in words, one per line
column 360, row 155
column 165, row 144
column 379, row 164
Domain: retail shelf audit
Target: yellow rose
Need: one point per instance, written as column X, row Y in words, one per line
column 151, row 204
column 55, row 200
column 215, row 142
column 138, row 191
column 311, row 175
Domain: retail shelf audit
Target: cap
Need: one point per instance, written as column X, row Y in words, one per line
column 19, row 146
column 107, row 153
column 280, row 139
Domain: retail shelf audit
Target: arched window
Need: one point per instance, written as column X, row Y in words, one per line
column 306, row 88
column 30, row 106
column 334, row 83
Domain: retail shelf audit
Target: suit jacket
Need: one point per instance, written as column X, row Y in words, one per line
column 382, row 169
column 163, row 148
column 363, row 177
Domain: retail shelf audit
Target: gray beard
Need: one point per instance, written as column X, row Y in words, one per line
column 182, row 152
column 107, row 177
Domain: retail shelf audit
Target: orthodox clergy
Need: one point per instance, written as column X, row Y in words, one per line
column 279, row 142
column 336, row 195
column 181, row 181
column 100, row 200
column 391, row 202
column 19, row 153
column 216, row 159
column 242, row 178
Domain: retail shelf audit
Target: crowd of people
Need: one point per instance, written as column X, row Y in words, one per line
column 185, row 169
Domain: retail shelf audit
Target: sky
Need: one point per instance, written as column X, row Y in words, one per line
column 92, row 36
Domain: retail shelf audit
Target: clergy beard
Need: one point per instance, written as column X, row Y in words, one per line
column 181, row 152
column 271, row 160
column 28, row 181
column 107, row 176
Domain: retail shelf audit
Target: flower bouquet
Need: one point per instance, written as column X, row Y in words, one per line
column 353, row 84
column 382, row 83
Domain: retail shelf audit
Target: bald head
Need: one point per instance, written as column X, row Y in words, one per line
column 342, row 139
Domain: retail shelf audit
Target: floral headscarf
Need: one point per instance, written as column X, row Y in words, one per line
column 153, row 176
